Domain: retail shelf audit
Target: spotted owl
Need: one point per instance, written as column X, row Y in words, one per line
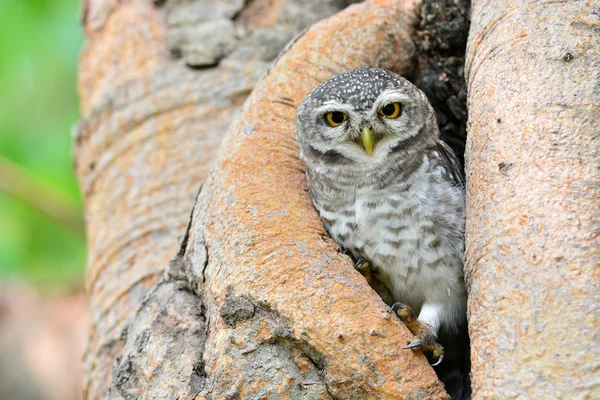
column 391, row 193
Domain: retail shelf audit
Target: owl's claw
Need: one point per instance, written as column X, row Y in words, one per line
column 439, row 361
column 425, row 337
column 413, row 345
column 397, row 306
column 364, row 267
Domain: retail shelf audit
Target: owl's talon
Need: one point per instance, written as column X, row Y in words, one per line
column 438, row 362
column 361, row 264
column 364, row 267
column 413, row 345
column 428, row 345
column 425, row 337
column 406, row 315
column 396, row 306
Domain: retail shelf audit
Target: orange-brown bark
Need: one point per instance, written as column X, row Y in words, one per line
column 532, row 203
column 272, row 281
column 124, row 46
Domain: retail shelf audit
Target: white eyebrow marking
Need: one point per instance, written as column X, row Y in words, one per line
column 333, row 105
column 390, row 96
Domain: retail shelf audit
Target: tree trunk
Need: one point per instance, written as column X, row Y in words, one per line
column 532, row 203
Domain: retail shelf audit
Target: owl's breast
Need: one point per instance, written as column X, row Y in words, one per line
column 340, row 221
column 408, row 243
column 369, row 225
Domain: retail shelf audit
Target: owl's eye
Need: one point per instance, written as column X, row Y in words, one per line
column 334, row 118
column 391, row 110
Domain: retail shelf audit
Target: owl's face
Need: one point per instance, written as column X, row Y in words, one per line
column 361, row 118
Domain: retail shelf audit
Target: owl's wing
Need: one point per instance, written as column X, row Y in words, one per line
column 451, row 163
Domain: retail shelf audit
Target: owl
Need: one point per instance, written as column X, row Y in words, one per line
column 391, row 193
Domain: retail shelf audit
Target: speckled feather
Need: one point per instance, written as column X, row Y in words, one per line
column 401, row 207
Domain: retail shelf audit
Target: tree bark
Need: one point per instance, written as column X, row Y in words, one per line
column 532, row 203
column 258, row 300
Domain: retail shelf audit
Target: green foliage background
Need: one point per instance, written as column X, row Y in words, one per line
column 39, row 52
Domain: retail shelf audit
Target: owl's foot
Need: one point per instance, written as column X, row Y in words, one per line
column 425, row 337
column 364, row 267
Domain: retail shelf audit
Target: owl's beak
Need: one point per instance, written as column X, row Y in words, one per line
column 368, row 140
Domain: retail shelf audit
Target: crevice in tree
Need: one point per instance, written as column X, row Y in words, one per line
column 441, row 39
column 201, row 67
column 186, row 235
column 153, row 327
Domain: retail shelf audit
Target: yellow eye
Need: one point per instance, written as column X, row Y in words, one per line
column 391, row 110
column 334, row 118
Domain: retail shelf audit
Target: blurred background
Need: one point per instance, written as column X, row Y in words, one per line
column 42, row 241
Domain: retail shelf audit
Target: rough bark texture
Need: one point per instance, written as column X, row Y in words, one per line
column 532, row 220
column 259, row 302
column 157, row 93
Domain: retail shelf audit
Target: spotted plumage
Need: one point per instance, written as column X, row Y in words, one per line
column 389, row 191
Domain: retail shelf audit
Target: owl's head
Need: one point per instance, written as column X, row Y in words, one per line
column 363, row 118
